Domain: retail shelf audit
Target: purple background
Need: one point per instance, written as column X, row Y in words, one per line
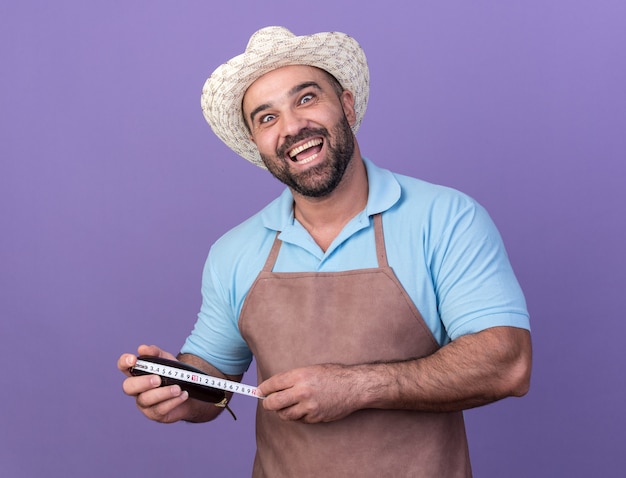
column 112, row 188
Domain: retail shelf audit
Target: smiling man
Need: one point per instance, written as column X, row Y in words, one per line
column 289, row 130
column 378, row 307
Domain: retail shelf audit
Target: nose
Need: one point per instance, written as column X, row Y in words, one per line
column 292, row 123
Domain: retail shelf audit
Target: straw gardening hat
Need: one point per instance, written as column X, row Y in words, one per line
column 268, row 49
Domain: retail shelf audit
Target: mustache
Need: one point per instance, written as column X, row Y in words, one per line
column 303, row 134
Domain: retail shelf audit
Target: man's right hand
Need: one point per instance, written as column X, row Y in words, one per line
column 162, row 404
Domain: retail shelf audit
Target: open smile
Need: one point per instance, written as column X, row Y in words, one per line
column 307, row 152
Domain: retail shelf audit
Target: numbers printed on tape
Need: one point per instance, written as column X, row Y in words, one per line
column 198, row 379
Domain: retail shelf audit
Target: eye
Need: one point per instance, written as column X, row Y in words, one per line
column 306, row 98
column 267, row 118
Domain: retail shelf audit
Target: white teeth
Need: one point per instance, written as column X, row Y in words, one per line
column 309, row 159
column 307, row 145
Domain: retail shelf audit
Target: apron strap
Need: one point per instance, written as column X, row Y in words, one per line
column 271, row 258
column 381, row 252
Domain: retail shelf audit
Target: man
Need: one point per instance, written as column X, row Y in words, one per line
column 377, row 306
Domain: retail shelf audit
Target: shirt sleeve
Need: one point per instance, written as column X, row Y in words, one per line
column 474, row 282
column 215, row 337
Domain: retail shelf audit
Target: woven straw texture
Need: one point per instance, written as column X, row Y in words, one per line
column 268, row 49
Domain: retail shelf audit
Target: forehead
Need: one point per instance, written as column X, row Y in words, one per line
column 277, row 82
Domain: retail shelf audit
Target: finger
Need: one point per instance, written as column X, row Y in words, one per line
column 294, row 413
column 155, row 397
column 167, row 411
column 279, row 400
column 134, row 386
column 125, row 362
column 277, row 383
column 154, row 351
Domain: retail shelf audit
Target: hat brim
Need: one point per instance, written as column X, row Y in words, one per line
column 268, row 49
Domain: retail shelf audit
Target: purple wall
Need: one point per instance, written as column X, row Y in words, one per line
column 112, row 188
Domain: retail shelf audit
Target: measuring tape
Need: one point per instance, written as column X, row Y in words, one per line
column 197, row 378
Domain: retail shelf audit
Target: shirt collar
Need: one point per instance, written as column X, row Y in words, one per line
column 384, row 192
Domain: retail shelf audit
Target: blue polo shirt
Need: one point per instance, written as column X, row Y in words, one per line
column 442, row 246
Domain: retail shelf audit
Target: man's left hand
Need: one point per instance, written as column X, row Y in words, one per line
column 318, row 393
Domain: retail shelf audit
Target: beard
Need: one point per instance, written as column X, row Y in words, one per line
column 322, row 179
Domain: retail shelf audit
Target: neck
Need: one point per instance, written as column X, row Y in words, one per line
column 324, row 218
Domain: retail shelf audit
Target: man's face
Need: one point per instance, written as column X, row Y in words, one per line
column 301, row 127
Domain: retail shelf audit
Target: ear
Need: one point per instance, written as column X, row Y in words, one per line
column 347, row 102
